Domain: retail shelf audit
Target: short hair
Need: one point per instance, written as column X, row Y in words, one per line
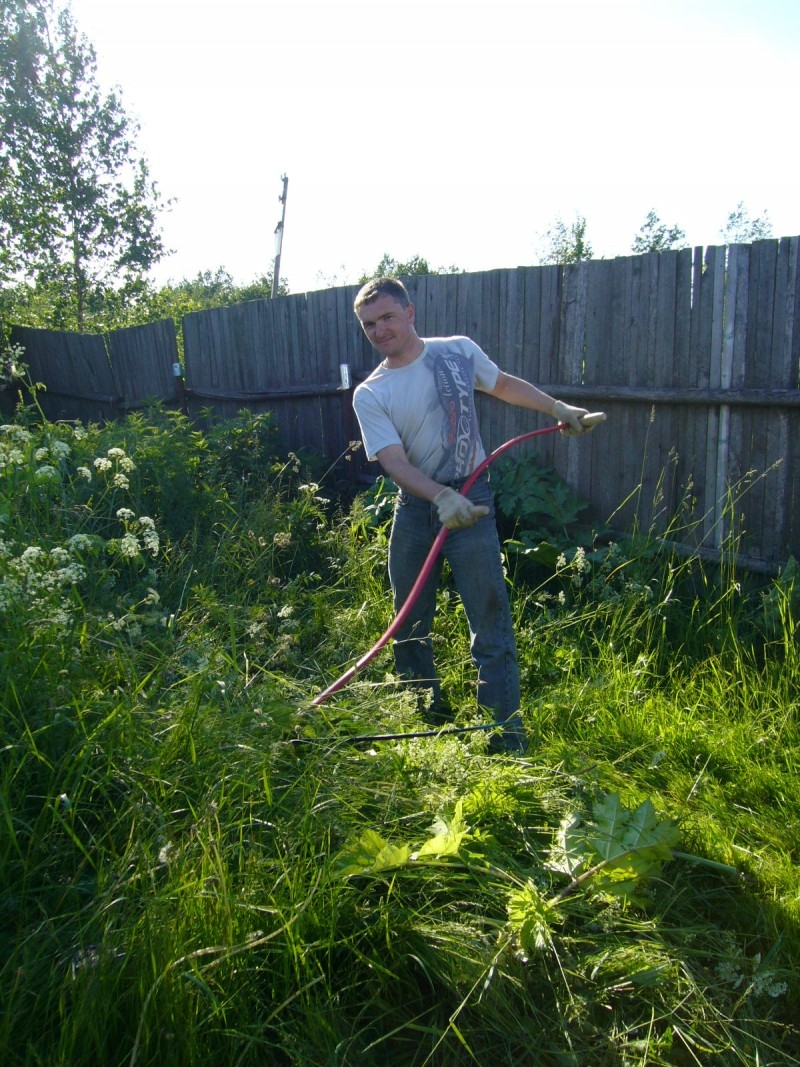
column 378, row 287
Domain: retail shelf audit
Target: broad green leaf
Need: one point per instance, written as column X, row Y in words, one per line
column 617, row 831
column 629, row 845
column 530, row 916
column 569, row 852
column 543, row 553
column 447, row 837
column 645, row 831
column 634, row 844
column 610, row 819
column 446, row 844
column 371, row 854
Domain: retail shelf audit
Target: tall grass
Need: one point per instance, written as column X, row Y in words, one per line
column 198, row 866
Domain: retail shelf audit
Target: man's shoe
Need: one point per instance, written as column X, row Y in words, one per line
column 511, row 740
column 439, row 714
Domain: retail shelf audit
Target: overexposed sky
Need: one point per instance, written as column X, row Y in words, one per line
column 448, row 129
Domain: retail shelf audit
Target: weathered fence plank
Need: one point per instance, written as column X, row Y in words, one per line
column 76, row 371
column 598, row 359
column 758, row 373
column 789, row 507
column 143, row 359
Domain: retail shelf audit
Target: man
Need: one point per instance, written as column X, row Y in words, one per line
column 417, row 417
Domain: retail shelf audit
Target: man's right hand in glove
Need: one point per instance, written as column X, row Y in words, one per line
column 571, row 417
column 455, row 511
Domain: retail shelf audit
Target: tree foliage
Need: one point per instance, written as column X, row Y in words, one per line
column 78, row 210
column 49, row 306
column 563, row 244
column 208, row 289
column 389, row 267
column 741, row 228
column 656, row 236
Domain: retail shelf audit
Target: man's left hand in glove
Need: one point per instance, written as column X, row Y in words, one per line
column 571, row 417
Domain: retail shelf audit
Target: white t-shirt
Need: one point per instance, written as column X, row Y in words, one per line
column 428, row 407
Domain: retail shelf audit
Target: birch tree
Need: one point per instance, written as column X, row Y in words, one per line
column 78, row 209
column 563, row 243
column 656, row 236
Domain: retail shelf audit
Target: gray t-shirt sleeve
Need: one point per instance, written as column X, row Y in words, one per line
column 377, row 429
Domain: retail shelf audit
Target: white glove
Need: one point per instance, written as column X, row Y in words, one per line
column 572, row 417
column 455, row 511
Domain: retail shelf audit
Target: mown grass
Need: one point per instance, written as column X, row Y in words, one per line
column 198, row 866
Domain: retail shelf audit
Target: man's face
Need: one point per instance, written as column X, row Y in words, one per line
column 389, row 326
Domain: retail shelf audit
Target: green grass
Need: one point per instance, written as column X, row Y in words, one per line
column 197, row 865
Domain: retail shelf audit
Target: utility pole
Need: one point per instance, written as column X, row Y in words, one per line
column 276, row 274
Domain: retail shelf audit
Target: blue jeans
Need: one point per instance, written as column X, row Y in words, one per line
column 475, row 561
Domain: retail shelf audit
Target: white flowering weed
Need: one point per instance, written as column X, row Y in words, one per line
column 140, row 536
column 36, row 583
column 52, row 480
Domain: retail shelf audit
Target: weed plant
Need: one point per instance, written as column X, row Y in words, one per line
column 198, row 866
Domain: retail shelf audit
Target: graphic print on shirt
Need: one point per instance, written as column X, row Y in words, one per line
column 454, row 375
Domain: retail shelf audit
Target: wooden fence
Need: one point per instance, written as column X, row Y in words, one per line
column 694, row 354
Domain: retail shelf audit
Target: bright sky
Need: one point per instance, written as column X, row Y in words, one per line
column 449, row 129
